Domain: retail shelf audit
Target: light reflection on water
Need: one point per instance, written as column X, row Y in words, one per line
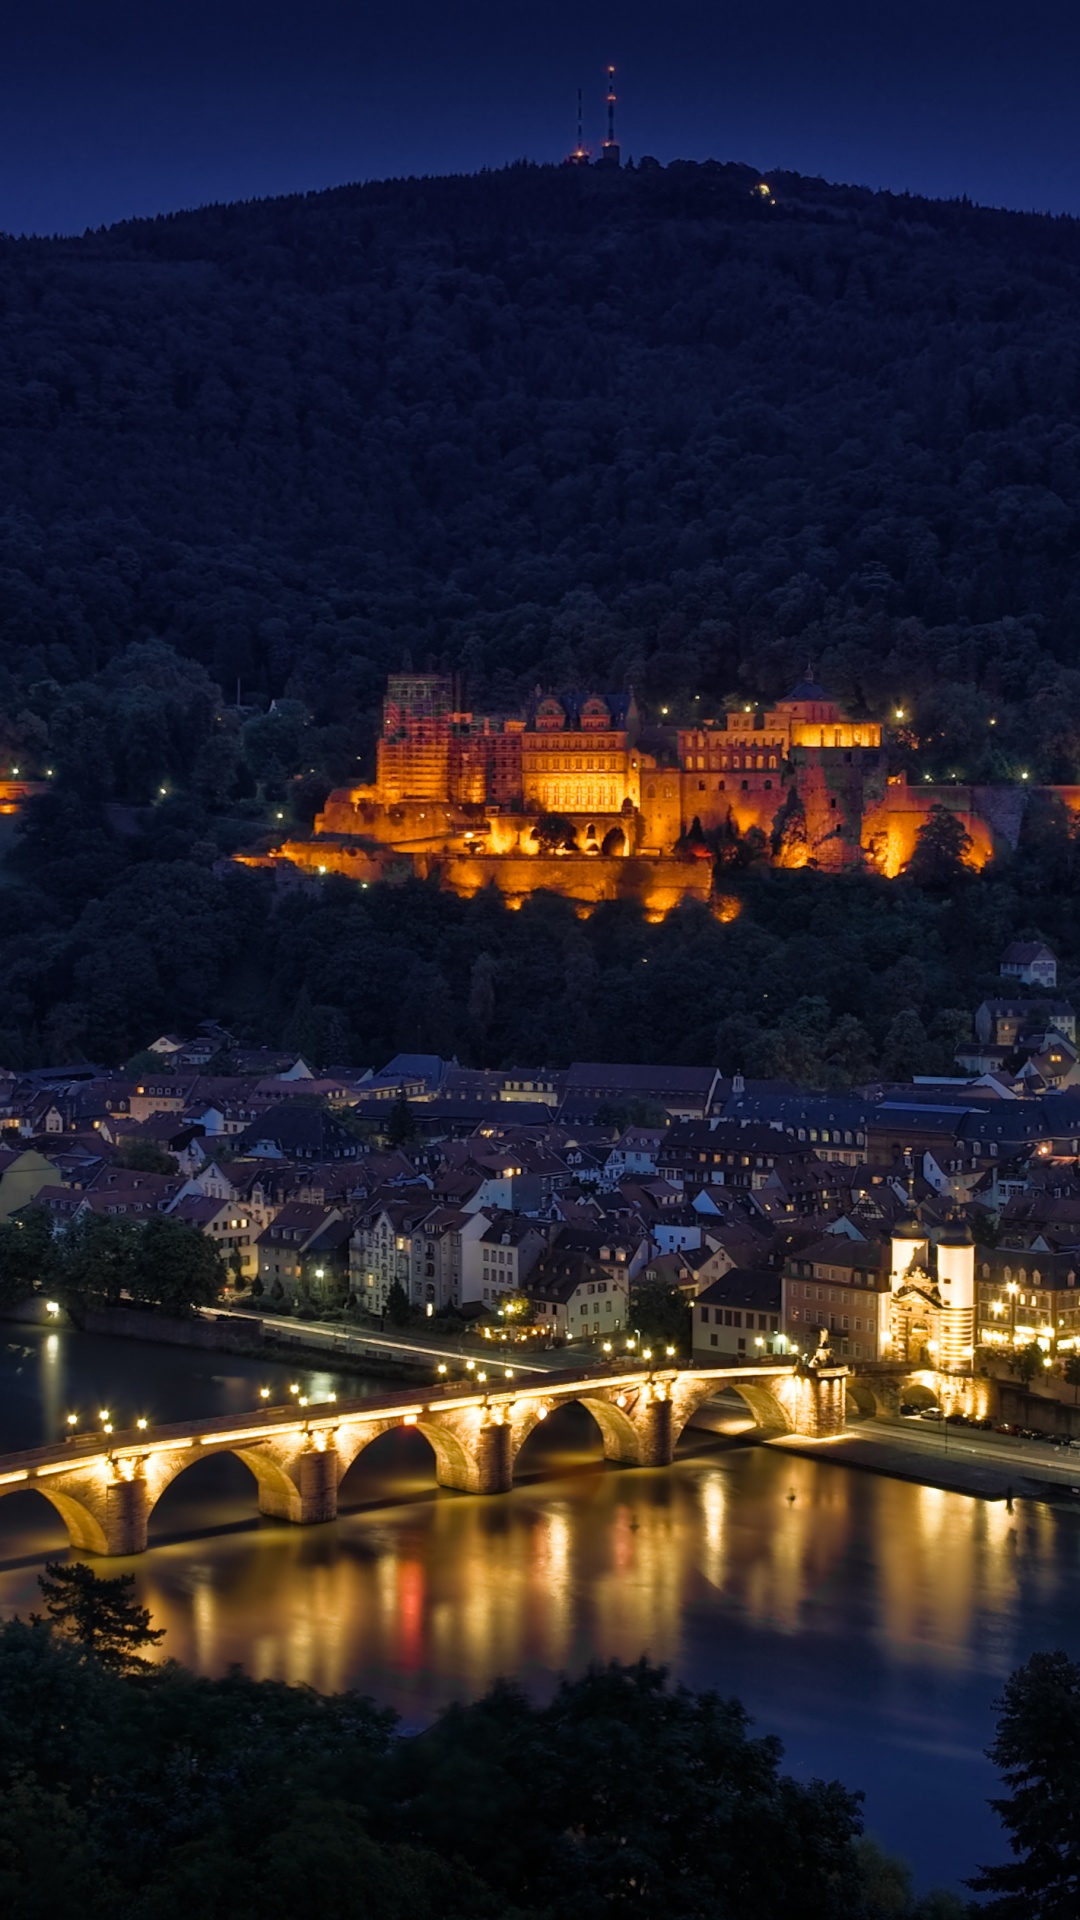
column 868, row 1621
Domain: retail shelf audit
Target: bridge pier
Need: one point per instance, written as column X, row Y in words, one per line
column 818, row 1407
column 318, row 1473
column 647, row 1437
column 484, row 1463
column 126, row 1515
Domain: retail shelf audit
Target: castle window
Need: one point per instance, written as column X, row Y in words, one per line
column 832, row 803
column 768, row 786
column 701, row 786
column 720, row 788
column 745, row 784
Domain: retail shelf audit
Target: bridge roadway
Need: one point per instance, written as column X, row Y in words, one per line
column 105, row 1487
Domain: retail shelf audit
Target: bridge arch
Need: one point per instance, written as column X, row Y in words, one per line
column 766, row 1406
column 279, row 1494
column 85, row 1530
column 452, row 1460
column 447, row 1445
column 617, row 1430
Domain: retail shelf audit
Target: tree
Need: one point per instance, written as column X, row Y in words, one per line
column 942, row 847
column 1071, row 1373
column 481, row 1004
column 27, row 1254
column 1026, row 1362
column 789, row 838
column 905, row 1049
column 554, row 833
column 849, row 1052
column 98, row 1257
column 598, row 1802
column 143, row 1155
column 400, row 1127
column 661, row 1315
column 398, row 1311
column 176, row 1267
column 100, row 1615
column 1037, row 1752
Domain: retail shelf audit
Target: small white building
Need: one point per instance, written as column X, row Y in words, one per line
column 1030, row 961
column 576, row 1298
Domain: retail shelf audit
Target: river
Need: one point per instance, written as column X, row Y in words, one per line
column 868, row 1622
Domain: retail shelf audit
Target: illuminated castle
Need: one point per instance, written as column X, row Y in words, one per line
column 574, row 794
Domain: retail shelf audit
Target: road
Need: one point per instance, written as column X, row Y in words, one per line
column 358, row 1342
column 964, row 1459
column 935, row 1440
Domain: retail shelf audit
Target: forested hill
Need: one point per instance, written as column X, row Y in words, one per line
column 652, row 427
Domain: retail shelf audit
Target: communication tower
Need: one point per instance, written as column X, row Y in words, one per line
column 610, row 155
column 581, row 154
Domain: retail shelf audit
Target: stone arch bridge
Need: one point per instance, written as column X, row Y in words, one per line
column 106, row 1487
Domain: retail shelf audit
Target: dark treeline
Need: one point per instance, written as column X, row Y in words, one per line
column 145, row 1792
column 646, row 428
column 142, row 1792
column 110, row 935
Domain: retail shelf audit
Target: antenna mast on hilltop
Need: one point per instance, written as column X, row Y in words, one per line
column 581, row 154
column 610, row 155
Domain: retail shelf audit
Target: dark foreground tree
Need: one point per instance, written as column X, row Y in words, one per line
column 626, row 1797
column 620, row 1799
column 101, row 1615
column 1037, row 1751
column 942, row 846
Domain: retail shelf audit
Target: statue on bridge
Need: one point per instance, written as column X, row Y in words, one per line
column 823, row 1353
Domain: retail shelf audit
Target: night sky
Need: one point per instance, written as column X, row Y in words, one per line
column 125, row 107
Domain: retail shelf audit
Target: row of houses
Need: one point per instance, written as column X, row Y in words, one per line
column 503, row 1200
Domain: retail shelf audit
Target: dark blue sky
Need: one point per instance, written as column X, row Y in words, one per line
column 115, row 108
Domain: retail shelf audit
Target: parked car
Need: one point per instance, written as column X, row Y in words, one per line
column 931, row 1413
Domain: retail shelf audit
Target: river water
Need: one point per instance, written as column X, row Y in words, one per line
column 868, row 1622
